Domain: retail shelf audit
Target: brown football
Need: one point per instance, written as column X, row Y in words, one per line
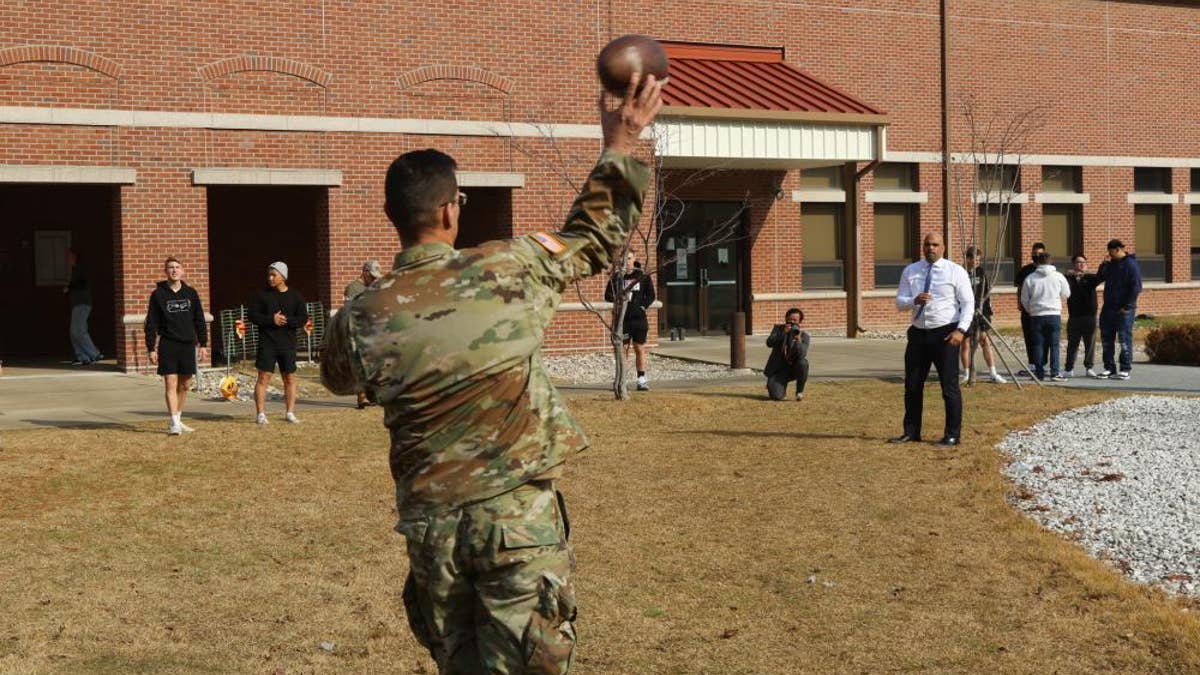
column 626, row 54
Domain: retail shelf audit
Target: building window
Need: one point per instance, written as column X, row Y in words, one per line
column 823, row 246
column 1062, row 231
column 1195, row 239
column 895, row 242
column 1151, row 179
column 1195, row 180
column 997, row 178
column 895, row 176
column 824, row 178
column 1061, row 179
column 999, row 243
column 1150, row 224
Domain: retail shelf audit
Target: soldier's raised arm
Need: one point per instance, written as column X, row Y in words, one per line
column 610, row 203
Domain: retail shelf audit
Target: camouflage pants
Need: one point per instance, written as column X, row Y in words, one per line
column 489, row 588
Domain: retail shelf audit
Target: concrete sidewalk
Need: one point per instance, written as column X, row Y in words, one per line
column 841, row 358
column 97, row 399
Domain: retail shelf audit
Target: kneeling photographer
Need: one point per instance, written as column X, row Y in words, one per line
column 789, row 356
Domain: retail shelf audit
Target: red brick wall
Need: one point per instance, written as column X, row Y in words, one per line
column 477, row 61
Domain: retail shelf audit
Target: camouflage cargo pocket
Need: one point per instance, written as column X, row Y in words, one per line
column 549, row 639
column 416, row 616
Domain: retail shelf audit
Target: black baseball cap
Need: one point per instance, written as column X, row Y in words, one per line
column 1115, row 243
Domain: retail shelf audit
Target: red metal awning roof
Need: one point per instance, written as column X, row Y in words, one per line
column 752, row 82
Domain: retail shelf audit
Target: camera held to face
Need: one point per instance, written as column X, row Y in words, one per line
column 793, row 329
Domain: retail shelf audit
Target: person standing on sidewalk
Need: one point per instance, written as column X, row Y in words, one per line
column 981, row 288
column 1081, row 316
column 1042, row 296
column 1122, row 279
column 1019, row 282
column 79, row 296
column 938, row 292
column 174, row 326
column 279, row 312
column 639, row 295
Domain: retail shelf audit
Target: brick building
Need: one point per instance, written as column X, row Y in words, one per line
column 803, row 144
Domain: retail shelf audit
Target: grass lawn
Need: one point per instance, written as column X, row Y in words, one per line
column 699, row 517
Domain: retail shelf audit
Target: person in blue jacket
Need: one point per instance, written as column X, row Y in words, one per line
column 1122, row 279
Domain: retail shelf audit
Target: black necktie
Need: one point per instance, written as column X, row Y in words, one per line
column 928, row 280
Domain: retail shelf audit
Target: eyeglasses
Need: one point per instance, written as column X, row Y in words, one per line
column 461, row 199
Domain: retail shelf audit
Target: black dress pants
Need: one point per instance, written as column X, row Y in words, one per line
column 928, row 347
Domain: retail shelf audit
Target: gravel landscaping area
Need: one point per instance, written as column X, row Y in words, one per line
column 1122, row 478
column 597, row 368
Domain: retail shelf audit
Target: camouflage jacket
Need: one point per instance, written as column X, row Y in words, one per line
column 449, row 342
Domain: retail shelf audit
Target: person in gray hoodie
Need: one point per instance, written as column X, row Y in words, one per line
column 1042, row 296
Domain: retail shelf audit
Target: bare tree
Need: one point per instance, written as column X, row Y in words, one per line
column 998, row 144
column 663, row 216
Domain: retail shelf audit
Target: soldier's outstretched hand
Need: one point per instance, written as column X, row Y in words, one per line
column 623, row 126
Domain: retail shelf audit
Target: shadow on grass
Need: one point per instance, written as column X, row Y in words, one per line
column 87, row 425
column 773, row 434
column 206, row 416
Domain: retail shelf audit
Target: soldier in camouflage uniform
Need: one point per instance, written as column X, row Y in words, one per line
column 449, row 343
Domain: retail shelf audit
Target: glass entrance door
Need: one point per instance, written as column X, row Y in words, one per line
column 702, row 253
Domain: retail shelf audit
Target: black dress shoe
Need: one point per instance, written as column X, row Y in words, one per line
column 905, row 438
column 948, row 441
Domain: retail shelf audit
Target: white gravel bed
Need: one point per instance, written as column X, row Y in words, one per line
column 597, row 368
column 1122, row 478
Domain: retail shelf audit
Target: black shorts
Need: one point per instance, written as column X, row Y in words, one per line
column 270, row 356
column 637, row 330
column 176, row 358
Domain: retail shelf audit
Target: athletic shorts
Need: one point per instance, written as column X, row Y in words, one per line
column 270, row 356
column 637, row 330
column 176, row 358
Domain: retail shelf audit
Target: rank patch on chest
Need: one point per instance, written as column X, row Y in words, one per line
column 550, row 242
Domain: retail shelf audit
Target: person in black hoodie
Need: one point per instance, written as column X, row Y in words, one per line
column 1122, row 279
column 279, row 312
column 174, row 326
column 1081, row 318
column 639, row 295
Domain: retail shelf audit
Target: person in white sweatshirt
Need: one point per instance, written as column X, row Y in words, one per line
column 1042, row 296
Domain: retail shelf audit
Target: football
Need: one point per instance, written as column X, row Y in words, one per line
column 626, row 54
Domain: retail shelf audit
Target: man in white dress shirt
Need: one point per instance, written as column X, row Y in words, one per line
column 938, row 292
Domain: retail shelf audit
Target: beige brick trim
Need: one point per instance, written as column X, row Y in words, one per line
column 56, row 173
column 265, row 176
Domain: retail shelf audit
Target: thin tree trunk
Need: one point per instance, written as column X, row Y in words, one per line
column 619, row 387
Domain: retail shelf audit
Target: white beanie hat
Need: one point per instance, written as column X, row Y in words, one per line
column 280, row 267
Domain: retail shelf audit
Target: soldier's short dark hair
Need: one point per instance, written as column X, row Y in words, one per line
column 418, row 183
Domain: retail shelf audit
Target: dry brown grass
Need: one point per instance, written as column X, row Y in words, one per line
column 698, row 517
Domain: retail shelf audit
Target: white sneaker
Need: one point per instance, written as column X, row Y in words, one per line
column 998, row 378
column 966, row 377
column 643, row 384
column 1091, row 373
column 186, row 428
column 174, row 429
column 1069, row 374
column 261, row 419
column 1103, row 374
column 291, row 417
column 800, row 396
